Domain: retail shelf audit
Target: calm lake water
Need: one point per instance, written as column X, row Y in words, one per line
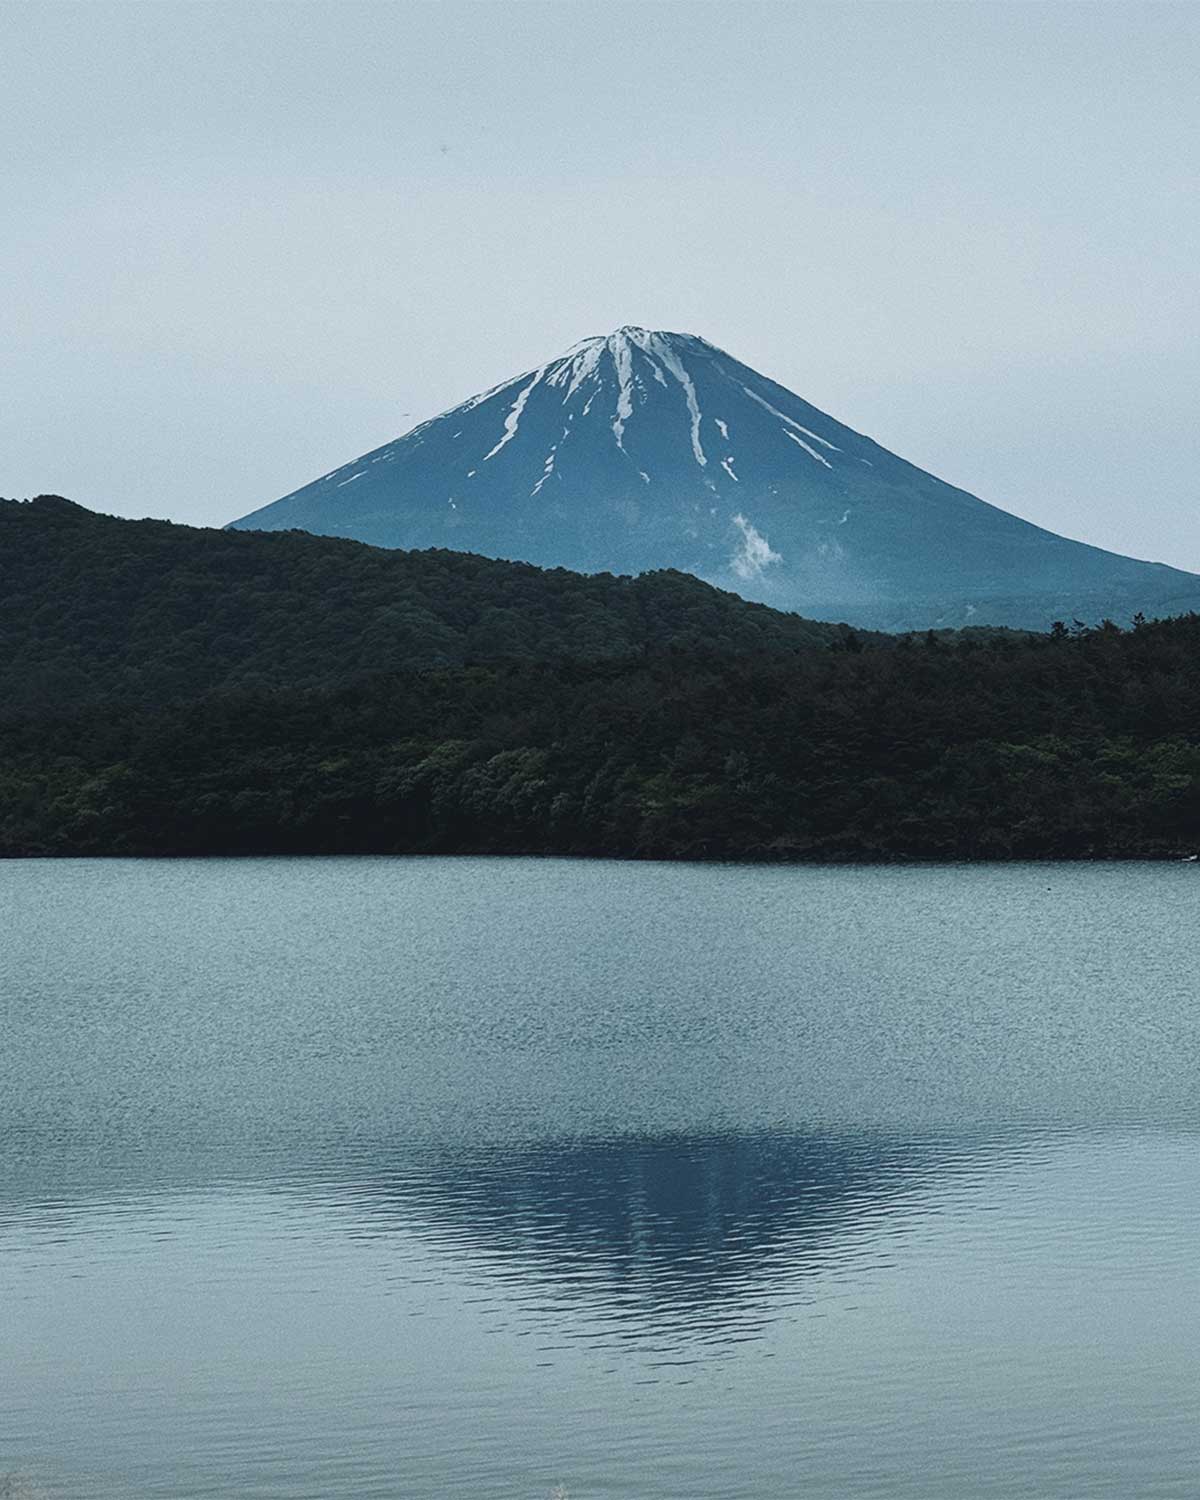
column 471, row 1178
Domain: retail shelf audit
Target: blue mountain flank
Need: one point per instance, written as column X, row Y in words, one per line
column 645, row 450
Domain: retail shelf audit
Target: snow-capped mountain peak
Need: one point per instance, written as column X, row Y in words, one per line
column 643, row 449
column 617, row 373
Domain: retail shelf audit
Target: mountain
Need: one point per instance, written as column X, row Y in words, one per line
column 166, row 690
column 93, row 608
column 645, row 450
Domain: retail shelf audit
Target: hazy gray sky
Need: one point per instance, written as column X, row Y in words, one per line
column 245, row 243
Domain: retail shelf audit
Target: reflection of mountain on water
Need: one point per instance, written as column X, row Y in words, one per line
column 661, row 1223
column 633, row 1235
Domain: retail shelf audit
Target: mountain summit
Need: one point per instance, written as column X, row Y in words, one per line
column 644, row 449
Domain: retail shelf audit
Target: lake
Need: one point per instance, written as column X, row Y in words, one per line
column 475, row 1178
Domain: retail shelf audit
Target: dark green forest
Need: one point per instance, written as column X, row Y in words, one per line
column 94, row 609
column 172, row 691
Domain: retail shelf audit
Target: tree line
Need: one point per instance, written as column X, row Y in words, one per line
column 165, row 690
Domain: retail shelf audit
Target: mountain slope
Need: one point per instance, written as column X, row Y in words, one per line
column 647, row 450
column 93, row 608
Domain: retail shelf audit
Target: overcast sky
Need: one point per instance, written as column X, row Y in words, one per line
column 245, row 243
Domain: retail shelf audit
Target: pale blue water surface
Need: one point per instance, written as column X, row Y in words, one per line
column 469, row 1178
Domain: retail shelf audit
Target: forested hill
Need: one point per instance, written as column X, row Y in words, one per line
column 94, row 608
column 168, row 691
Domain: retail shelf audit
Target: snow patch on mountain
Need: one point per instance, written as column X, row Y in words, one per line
column 548, row 466
column 656, row 345
column 513, row 420
column 623, row 360
column 812, row 452
column 622, row 363
column 577, row 365
column 816, row 437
